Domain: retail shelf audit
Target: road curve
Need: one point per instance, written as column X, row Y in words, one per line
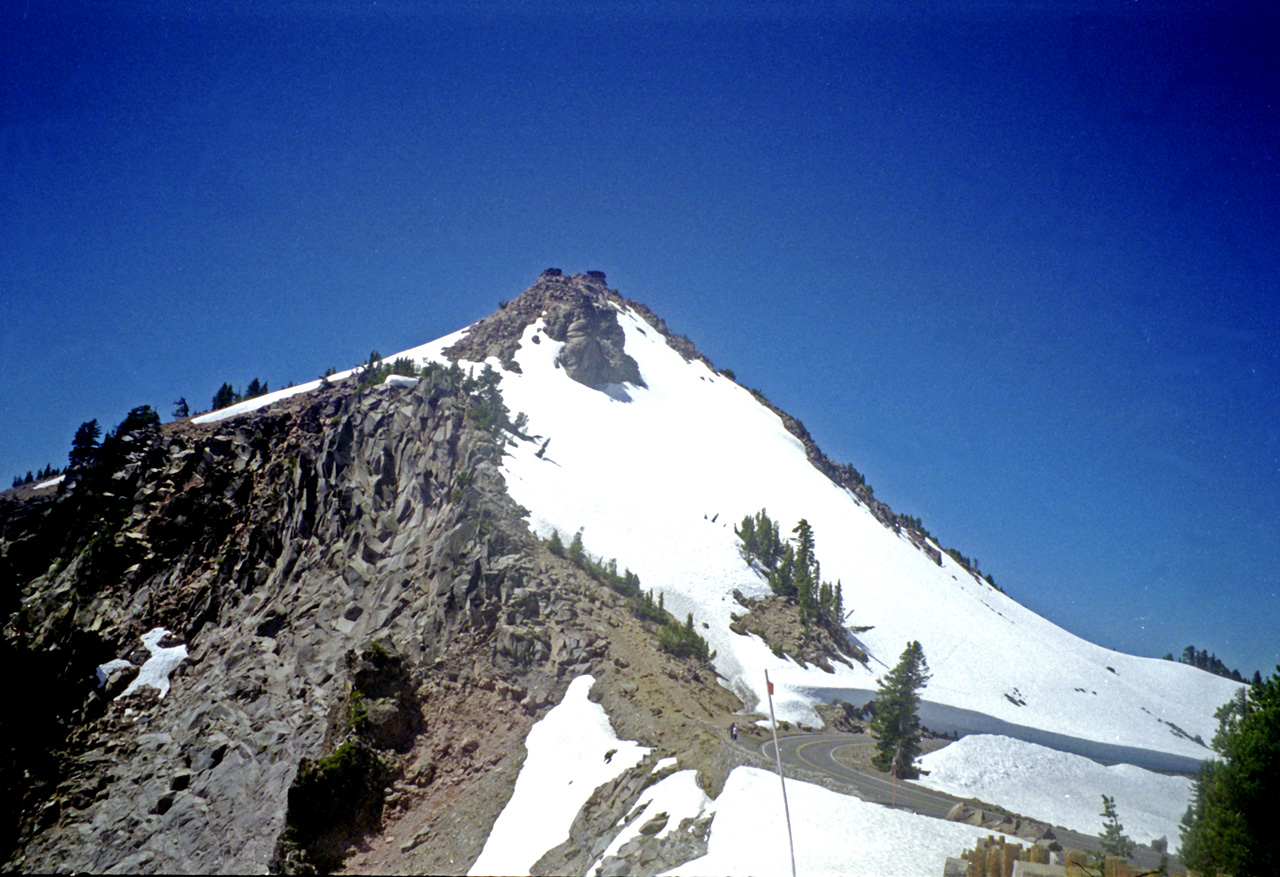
column 816, row 752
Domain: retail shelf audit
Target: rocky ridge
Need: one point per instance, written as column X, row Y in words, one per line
column 345, row 569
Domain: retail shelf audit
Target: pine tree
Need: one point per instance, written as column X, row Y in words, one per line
column 805, row 573
column 577, row 553
column 554, row 545
column 84, row 446
column 141, row 417
column 225, row 397
column 1227, row 828
column 896, row 724
column 181, row 409
column 1113, row 839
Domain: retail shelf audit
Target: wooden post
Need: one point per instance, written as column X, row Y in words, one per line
column 995, row 862
column 1012, row 852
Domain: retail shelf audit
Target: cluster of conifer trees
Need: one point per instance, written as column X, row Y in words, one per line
column 1229, row 827
column 1210, row 663
column 792, row 568
column 87, row 453
column 32, row 477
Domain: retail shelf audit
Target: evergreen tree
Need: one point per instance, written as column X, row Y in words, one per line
column 225, row 397
column 84, row 447
column 141, row 417
column 255, row 389
column 554, row 545
column 181, row 409
column 1113, row 839
column 577, row 553
column 896, row 724
column 1227, row 828
column 782, row 580
column 760, row 540
column 805, row 573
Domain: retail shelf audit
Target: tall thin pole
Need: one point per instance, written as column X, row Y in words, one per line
column 786, row 808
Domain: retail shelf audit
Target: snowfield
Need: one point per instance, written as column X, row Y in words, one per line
column 423, row 353
column 835, row 834
column 1057, row 787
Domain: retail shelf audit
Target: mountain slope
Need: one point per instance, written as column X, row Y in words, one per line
column 353, row 567
column 656, row 474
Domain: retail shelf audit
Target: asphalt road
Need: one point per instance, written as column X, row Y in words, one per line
column 817, row 752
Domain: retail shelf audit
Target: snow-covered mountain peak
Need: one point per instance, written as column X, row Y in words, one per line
column 655, row 456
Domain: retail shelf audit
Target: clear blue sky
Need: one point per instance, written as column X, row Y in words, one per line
column 1018, row 265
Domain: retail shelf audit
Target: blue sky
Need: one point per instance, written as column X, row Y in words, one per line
column 1016, row 262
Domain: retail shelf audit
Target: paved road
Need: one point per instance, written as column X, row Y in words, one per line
column 817, row 752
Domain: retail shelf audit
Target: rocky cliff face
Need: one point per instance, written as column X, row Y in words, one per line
column 274, row 547
column 369, row 625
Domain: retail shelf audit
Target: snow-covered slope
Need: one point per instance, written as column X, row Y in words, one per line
column 656, row 476
column 1057, row 787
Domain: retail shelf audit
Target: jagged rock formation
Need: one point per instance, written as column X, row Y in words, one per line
column 289, row 549
column 274, row 547
column 577, row 311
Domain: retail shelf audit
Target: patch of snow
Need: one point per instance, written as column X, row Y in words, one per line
column 430, row 352
column 104, row 671
column 664, row 763
column 400, row 381
column 564, row 765
column 834, row 834
column 50, row 483
column 679, row 796
column 157, row 669
column 1057, row 787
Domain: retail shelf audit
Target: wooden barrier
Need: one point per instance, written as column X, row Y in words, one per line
column 995, row 857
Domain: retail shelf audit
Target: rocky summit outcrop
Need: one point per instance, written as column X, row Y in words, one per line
column 578, row 310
